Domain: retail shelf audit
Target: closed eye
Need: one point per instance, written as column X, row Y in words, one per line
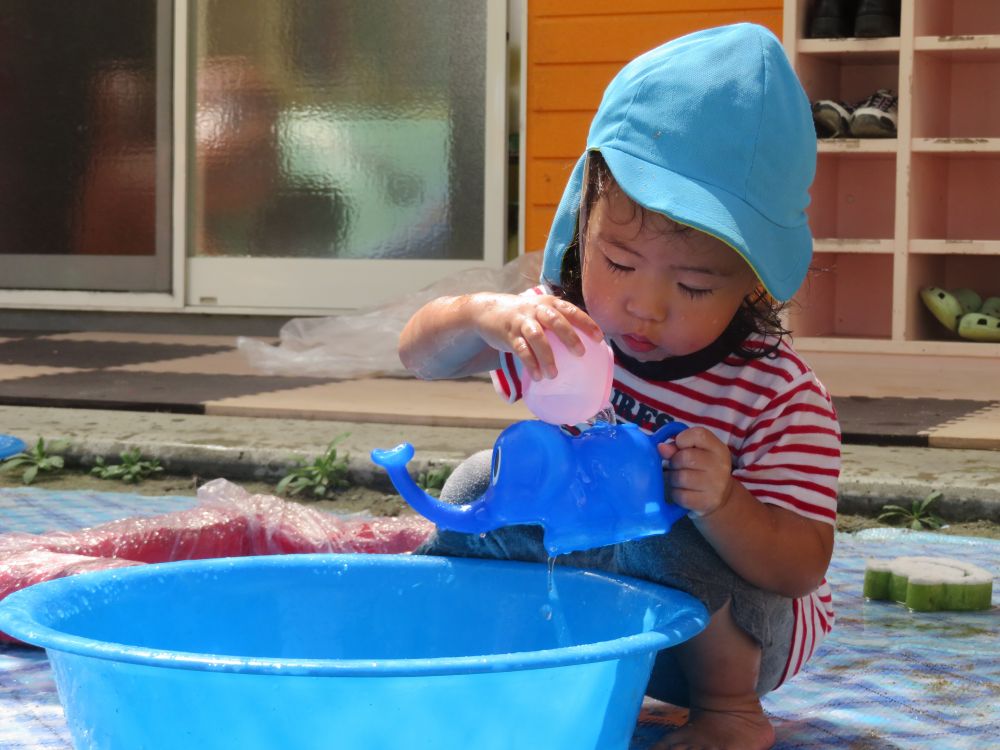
column 694, row 292
column 617, row 267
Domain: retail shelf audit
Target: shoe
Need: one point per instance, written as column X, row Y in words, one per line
column 969, row 299
column 943, row 305
column 877, row 18
column 990, row 306
column 979, row 327
column 875, row 117
column 832, row 19
column 832, row 119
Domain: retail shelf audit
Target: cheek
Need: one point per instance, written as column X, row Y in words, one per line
column 598, row 296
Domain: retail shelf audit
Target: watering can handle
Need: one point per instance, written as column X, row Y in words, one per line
column 669, row 430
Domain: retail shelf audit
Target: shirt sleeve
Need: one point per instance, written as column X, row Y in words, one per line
column 507, row 377
column 791, row 455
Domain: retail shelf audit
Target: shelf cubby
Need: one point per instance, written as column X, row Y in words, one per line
column 980, row 273
column 846, row 295
column 953, row 197
column 853, row 195
column 950, row 85
column 951, row 18
column 842, row 73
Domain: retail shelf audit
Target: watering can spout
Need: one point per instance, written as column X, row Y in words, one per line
column 469, row 518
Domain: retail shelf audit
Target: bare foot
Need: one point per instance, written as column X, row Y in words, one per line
column 722, row 730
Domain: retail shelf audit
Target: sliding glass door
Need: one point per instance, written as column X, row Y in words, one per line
column 85, row 144
column 250, row 155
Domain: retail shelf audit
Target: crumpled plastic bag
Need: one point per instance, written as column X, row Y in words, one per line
column 363, row 343
column 227, row 522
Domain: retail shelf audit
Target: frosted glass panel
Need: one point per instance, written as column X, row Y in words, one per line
column 339, row 128
column 78, row 127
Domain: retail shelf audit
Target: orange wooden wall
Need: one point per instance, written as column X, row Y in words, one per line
column 573, row 49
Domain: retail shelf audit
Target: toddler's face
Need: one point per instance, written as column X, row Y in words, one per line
column 658, row 289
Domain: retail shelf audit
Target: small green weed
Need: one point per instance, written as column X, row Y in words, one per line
column 432, row 480
column 133, row 468
column 34, row 461
column 917, row 516
column 323, row 476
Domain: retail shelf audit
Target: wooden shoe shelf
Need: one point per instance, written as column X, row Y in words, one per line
column 891, row 216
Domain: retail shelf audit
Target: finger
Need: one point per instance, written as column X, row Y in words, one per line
column 523, row 352
column 683, row 479
column 692, row 437
column 686, row 458
column 667, row 450
column 557, row 323
column 701, row 439
column 579, row 319
column 682, row 497
column 534, row 334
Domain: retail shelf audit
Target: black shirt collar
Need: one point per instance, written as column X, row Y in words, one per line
column 675, row 368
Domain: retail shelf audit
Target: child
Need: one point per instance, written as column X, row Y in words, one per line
column 681, row 227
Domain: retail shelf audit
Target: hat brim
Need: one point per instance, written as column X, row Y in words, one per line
column 779, row 255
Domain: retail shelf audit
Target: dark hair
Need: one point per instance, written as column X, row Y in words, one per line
column 760, row 312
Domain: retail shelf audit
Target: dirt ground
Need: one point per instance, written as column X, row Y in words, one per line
column 356, row 499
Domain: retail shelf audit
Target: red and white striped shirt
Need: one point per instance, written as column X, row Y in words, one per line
column 775, row 416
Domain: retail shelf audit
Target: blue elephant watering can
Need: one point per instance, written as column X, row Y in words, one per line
column 600, row 487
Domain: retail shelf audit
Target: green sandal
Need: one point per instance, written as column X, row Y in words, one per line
column 979, row 327
column 944, row 305
column 968, row 299
column 991, row 307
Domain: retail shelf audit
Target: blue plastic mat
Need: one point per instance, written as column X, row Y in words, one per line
column 885, row 678
column 34, row 511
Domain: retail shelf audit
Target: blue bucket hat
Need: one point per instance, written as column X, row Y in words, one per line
column 713, row 130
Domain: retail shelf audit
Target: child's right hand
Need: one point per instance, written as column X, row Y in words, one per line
column 517, row 323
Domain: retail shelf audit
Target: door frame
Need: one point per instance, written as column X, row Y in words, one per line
column 115, row 272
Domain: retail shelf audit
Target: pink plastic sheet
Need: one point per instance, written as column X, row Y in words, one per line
column 227, row 522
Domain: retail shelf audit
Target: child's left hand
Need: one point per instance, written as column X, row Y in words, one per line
column 699, row 471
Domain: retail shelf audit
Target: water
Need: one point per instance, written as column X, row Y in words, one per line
column 552, row 611
column 607, row 414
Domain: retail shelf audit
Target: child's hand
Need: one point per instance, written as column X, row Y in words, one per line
column 517, row 323
column 699, row 471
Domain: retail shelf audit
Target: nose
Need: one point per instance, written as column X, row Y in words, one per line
column 647, row 303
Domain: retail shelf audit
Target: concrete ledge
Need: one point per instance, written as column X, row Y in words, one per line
column 262, row 449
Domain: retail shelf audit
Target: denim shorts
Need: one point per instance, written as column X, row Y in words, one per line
column 681, row 559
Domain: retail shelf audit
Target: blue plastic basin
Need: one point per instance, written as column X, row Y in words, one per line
column 350, row 651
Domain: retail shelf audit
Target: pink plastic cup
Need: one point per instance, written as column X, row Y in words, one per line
column 580, row 390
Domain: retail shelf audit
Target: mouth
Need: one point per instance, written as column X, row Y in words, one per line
column 638, row 344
